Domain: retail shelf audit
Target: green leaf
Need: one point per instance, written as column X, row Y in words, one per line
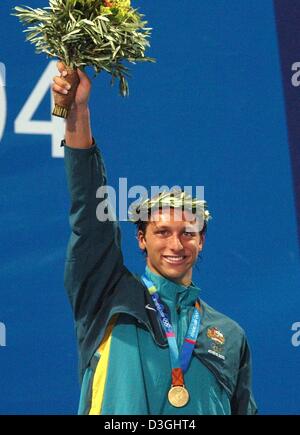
column 91, row 23
column 82, row 36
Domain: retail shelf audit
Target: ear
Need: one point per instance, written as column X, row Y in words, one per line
column 201, row 242
column 142, row 240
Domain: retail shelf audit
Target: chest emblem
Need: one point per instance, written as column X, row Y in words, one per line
column 216, row 335
column 218, row 339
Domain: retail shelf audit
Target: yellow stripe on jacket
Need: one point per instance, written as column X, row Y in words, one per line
column 101, row 369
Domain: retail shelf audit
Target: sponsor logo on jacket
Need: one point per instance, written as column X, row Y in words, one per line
column 217, row 341
column 216, row 335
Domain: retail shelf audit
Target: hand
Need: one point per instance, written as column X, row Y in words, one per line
column 62, row 86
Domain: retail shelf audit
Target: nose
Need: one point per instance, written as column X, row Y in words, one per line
column 175, row 243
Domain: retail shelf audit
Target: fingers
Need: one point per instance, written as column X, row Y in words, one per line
column 63, row 71
column 60, row 85
column 61, row 68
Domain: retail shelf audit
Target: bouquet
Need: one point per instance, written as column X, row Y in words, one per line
column 97, row 33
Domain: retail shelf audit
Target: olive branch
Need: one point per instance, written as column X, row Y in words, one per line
column 95, row 33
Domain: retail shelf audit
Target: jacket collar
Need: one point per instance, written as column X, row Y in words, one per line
column 173, row 294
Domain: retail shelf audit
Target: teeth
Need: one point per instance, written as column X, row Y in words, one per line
column 174, row 258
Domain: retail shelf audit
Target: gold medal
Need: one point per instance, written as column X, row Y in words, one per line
column 178, row 396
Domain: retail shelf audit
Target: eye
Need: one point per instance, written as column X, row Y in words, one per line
column 162, row 232
column 189, row 234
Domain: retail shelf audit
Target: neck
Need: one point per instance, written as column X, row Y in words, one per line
column 185, row 280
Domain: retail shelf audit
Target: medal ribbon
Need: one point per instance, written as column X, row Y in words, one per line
column 179, row 363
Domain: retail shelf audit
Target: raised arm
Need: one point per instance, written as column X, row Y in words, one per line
column 78, row 128
column 94, row 261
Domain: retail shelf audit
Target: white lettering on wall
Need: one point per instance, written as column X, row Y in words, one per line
column 296, row 337
column 24, row 124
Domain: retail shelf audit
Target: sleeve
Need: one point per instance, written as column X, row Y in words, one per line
column 242, row 402
column 94, row 260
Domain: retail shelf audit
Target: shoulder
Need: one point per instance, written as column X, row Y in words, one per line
column 213, row 318
column 220, row 345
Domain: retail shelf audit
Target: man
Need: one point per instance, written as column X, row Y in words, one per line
column 147, row 345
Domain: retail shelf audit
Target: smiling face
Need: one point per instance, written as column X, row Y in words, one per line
column 172, row 240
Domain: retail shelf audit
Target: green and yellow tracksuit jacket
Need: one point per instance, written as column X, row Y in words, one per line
column 123, row 353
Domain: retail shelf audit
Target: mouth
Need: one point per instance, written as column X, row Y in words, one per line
column 174, row 259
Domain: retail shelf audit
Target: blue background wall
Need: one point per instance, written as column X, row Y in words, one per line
column 211, row 112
